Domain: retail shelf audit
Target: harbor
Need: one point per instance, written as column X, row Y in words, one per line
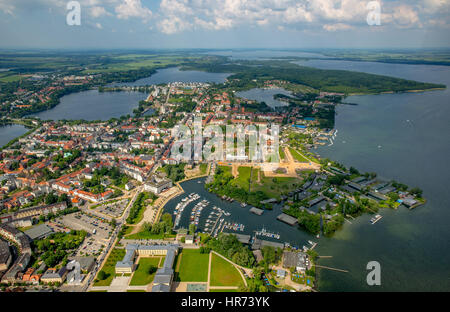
column 213, row 215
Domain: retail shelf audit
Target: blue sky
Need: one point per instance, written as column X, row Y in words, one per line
column 153, row 24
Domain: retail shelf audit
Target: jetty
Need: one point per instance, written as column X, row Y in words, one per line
column 287, row 219
column 256, row 211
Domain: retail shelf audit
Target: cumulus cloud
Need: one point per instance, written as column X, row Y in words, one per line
column 98, row 11
column 226, row 14
column 173, row 25
column 173, row 16
column 435, row 6
column 133, row 9
column 403, row 16
column 337, row 27
column 6, row 7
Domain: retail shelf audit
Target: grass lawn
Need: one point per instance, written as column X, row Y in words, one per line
column 243, row 178
column 141, row 276
column 148, row 235
column 203, row 168
column 223, row 290
column 275, row 187
column 135, row 290
column 223, row 273
column 297, row 156
column 109, row 267
column 281, row 152
column 193, row 266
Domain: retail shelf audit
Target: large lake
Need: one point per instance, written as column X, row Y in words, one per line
column 174, row 74
column 264, row 95
column 399, row 136
column 263, row 54
column 403, row 137
column 94, row 105
column 9, row 132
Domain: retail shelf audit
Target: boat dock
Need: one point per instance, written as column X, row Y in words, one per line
column 287, row 219
column 256, row 211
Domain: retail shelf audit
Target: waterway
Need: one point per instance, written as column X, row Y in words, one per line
column 93, row 105
column 238, row 214
column 9, row 132
column 399, row 136
column 402, row 137
column 264, row 95
column 174, row 74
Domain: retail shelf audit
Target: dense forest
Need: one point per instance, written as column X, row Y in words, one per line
column 340, row 81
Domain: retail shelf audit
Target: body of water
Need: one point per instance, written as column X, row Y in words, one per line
column 174, row 74
column 402, row 137
column 399, row 136
column 263, row 54
column 238, row 214
column 93, row 105
column 264, row 95
column 9, row 132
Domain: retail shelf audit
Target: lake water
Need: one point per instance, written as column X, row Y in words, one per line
column 174, row 74
column 264, row 95
column 238, row 214
column 399, row 136
column 93, row 105
column 263, row 54
column 9, row 132
column 403, row 137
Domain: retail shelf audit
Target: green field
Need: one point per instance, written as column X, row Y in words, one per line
column 297, row 156
column 9, row 76
column 135, row 290
column 223, row 273
column 148, row 235
column 281, row 152
column 141, row 276
column 109, row 267
column 98, row 291
column 223, row 290
column 274, row 187
column 203, row 168
column 243, row 178
column 193, row 266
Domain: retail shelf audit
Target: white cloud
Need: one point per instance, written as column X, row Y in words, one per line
column 133, row 8
column 173, row 25
column 6, row 7
column 226, row 14
column 98, row 11
column 435, row 6
column 403, row 16
column 336, row 27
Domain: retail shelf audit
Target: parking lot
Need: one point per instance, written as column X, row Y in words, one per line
column 114, row 209
column 99, row 231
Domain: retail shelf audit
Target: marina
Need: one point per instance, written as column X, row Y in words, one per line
column 266, row 233
column 222, row 215
column 182, row 205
